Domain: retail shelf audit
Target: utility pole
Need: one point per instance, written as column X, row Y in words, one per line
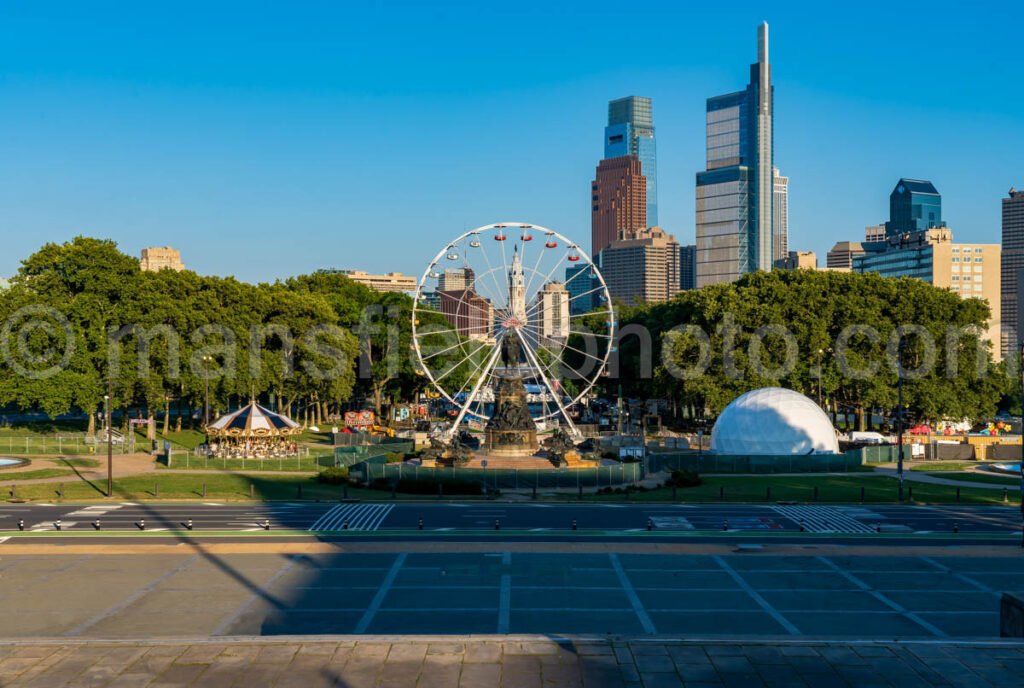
column 206, row 378
column 899, row 416
column 107, row 401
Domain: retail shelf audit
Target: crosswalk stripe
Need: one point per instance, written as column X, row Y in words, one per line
column 822, row 519
column 365, row 517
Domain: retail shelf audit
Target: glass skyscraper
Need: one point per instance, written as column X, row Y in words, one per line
column 630, row 131
column 914, row 206
column 735, row 192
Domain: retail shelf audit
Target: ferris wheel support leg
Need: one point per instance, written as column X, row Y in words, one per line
column 476, row 390
column 573, row 430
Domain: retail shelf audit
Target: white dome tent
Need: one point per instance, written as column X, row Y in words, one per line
column 773, row 421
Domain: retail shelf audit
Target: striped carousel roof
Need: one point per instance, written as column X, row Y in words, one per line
column 253, row 420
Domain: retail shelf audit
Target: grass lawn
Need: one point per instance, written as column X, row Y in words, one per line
column 942, row 466
column 45, row 427
column 36, row 475
column 979, row 477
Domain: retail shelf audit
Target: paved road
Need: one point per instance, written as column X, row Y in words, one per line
column 534, row 519
column 353, row 589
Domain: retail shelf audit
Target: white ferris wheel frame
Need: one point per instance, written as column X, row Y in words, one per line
column 492, row 356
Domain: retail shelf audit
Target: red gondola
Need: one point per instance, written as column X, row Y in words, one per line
column 573, row 258
column 499, row 237
column 527, row 237
column 551, row 244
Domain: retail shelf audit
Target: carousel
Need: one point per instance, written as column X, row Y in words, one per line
column 252, row 432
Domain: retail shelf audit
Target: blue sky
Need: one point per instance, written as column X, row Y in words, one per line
column 266, row 139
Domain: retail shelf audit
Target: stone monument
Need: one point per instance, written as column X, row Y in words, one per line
column 511, row 430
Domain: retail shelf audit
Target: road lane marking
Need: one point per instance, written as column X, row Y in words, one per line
column 505, row 596
column 881, row 597
column 754, row 595
column 382, row 592
column 634, row 599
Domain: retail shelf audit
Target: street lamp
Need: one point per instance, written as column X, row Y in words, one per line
column 899, row 415
column 821, row 354
column 110, row 438
column 206, row 378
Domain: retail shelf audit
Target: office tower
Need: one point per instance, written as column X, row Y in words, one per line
column 842, row 254
column 619, row 195
column 687, row 267
column 780, row 217
column 582, row 285
column 456, row 279
column 391, row 281
column 161, row 258
column 630, row 131
column 875, row 232
column 735, row 192
column 799, row 260
column 550, row 317
column 1012, row 262
column 643, row 266
column 968, row 270
column 914, row 206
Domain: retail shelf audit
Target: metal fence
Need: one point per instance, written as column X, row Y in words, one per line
column 191, row 460
column 724, row 463
column 505, row 478
column 60, row 444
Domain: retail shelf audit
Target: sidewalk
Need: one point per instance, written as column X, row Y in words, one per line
column 507, row 661
column 919, row 477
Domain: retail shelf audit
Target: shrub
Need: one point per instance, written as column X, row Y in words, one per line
column 394, row 457
column 334, row 475
column 685, row 479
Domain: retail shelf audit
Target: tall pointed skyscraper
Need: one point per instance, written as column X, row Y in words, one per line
column 734, row 193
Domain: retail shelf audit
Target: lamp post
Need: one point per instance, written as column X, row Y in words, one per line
column 206, row 379
column 821, row 354
column 899, row 417
column 110, row 438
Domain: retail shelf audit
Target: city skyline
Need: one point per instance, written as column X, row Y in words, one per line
column 205, row 148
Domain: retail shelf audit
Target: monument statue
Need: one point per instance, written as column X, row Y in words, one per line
column 511, row 429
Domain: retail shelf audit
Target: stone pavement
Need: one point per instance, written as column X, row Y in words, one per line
column 508, row 662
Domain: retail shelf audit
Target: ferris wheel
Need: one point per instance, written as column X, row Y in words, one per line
column 512, row 280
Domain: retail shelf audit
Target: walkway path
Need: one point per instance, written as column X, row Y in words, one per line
column 919, row 477
column 506, row 661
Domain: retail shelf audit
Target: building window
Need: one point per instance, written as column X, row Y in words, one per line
column 977, row 250
column 956, row 278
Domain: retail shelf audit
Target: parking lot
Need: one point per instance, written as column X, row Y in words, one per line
column 443, row 592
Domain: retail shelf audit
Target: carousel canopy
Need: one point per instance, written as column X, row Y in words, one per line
column 253, row 421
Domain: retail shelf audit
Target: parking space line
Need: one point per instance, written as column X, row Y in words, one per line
column 131, row 599
column 754, row 595
column 260, row 592
column 881, row 597
column 505, row 597
column 382, row 592
column 962, row 577
column 634, row 599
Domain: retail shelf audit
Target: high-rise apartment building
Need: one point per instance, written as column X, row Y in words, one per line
column 1012, row 263
column 161, row 258
column 799, row 260
column 735, row 193
column 469, row 314
column 549, row 319
column 687, row 267
column 619, row 195
column 643, row 266
column 780, row 217
column 630, row 131
column 914, row 206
